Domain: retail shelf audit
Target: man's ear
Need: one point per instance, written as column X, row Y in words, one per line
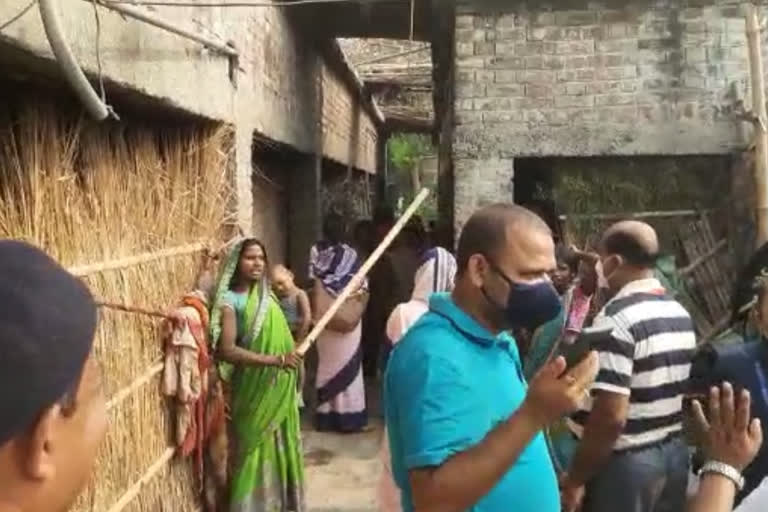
column 38, row 460
column 613, row 261
column 476, row 268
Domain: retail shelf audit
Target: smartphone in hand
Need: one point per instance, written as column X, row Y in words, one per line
column 589, row 339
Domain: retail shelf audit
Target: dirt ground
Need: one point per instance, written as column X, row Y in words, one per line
column 342, row 470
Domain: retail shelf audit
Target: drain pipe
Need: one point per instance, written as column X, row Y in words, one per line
column 69, row 66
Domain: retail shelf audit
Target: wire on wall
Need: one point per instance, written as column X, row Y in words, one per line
column 99, row 67
column 16, row 18
column 97, row 18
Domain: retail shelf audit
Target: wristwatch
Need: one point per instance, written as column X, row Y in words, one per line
column 729, row 472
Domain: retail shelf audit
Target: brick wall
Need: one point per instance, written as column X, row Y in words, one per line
column 592, row 78
column 288, row 68
column 349, row 134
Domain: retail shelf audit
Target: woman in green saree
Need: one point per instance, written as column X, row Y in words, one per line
column 258, row 360
column 576, row 281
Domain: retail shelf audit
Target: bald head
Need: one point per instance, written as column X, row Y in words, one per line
column 487, row 230
column 636, row 242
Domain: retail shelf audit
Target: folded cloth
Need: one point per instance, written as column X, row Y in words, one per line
column 187, row 374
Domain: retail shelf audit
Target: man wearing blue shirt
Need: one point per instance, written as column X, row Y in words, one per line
column 464, row 428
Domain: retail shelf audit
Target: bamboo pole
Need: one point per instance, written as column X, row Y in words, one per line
column 632, row 215
column 134, row 310
column 127, row 391
column 391, row 56
column 147, row 257
column 704, row 257
column 357, row 280
column 758, row 106
column 130, row 261
column 147, row 477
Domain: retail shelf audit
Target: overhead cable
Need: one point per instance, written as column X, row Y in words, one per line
column 192, row 3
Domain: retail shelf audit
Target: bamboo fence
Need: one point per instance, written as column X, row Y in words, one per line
column 129, row 210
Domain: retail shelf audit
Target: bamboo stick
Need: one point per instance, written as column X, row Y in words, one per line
column 716, row 328
column 391, row 56
column 413, row 16
column 704, row 257
column 710, row 279
column 723, row 286
column 632, row 215
column 131, row 261
column 127, row 391
column 135, row 489
column 702, row 275
column 357, row 280
column 758, row 107
column 133, row 309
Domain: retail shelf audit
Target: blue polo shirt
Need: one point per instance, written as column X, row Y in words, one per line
column 449, row 382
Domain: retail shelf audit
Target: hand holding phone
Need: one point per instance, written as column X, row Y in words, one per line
column 589, row 339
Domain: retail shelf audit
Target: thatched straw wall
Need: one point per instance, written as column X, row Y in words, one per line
column 93, row 193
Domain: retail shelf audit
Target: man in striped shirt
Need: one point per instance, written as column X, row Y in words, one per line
column 631, row 455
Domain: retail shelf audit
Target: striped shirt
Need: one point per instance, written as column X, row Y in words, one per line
column 647, row 357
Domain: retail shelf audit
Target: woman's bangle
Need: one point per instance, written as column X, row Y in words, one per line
column 282, row 360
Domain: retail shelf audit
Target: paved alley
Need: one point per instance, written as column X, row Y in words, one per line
column 343, row 470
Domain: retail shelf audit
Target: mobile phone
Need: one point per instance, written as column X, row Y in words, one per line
column 589, row 338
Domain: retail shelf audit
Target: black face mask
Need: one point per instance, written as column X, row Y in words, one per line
column 529, row 305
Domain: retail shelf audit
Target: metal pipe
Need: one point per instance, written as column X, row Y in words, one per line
column 69, row 66
column 146, row 17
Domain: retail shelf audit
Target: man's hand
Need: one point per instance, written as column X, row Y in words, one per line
column 587, row 256
column 571, row 494
column 728, row 436
column 552, row 394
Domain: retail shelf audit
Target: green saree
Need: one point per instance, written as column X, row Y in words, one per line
column 545, row 345
column 268, row 470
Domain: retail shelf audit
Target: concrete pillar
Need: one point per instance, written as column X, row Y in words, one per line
column 382, row 194
column 304, row 214
column 242, row 178
column 305, row 207
column 480, row 182
column 443, row 57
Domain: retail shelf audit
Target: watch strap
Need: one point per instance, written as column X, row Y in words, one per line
column 726, row 470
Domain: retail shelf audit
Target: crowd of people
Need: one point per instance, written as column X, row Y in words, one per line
column 484, row 407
